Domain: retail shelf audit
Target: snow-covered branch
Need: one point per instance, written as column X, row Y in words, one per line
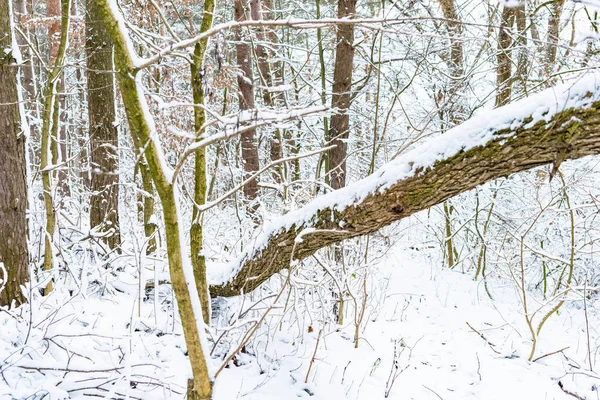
column 554, row 125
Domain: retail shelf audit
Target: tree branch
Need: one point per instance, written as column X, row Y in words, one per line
column 556, row 124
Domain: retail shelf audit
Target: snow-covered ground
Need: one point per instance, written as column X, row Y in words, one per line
column 418, row 340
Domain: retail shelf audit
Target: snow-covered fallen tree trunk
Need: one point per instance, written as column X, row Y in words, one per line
column 552, row 126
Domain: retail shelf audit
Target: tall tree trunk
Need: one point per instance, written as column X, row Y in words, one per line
column 324, row 160
column 504, row 70
column 104, row 139
column 522, row 60
column 246, row 101
column 27, row 66
column 13, row 185
column 553, row 36
column 455, row 108
column 196, row 236
column 268, row 80
column 340, row 100
column 58, row 134
column 46, row 153
column 144, row 137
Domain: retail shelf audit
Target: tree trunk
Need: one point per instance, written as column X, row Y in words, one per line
column 47, row 122
column 324, row 160
column 104, row 139
column 196, row 238
column 246, row 101
column 456, row 110
column 58, row 133
column 340, row 100
column 568, row 134
column 503, row 72
column 13, row 184
column 522, row 61
column 147, row 205
column 144, row 137
column 27, row 66
column 268, row 80
column 553, row 36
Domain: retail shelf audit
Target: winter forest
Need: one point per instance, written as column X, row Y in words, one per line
column 328, row 199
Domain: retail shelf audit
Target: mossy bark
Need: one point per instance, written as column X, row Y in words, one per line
column 201, row 387
column 196, row 234
column 527, row 147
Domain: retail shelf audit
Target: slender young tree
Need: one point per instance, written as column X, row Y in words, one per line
column 144, row 135
column 104, row 139
column 58, row 140
column 13, row 184
column 340, row 100
column 49, row 124
column 196, row 235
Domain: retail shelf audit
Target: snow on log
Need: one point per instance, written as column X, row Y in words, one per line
column 554, row 125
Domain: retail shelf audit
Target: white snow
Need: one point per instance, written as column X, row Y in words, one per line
column 114, row 7
column 166, row 169
column 86, row 345
column 475, row 132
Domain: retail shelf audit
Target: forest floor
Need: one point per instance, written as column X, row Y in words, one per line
column 428, row 333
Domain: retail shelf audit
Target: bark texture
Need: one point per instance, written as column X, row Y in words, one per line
column 196, row 234
column 27, row 79
column 503, row 69
column 50, row 119
column 570, row 134
column 455, row 109
column 13, row 186
column 553, row 35
column 246, row 101
column 522, row 60
column 269, row 78
column 141, row 133
column 341, row 97
column 104, row 139
column 58, row 134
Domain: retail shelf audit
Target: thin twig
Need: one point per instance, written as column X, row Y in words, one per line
column 484, row 338
column 312, row 360
column 549, row 354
